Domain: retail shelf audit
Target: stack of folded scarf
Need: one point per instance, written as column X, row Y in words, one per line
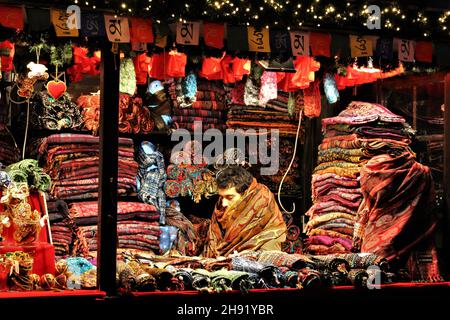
column 62, row 228
column 9, row 152
column 280, row 113
column 258, row 118
column 137, row 225
column 358, row 133
column 72, row 161
column 204, row 103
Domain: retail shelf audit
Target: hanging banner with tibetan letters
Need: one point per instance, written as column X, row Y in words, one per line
column 141, row 30
column 258, row 39
column 280, row 42
column 60, row 20
column 406, row 50
column 214, row 34
column 92, row 24
column 188, row 33
column 300, row 43
column 361, row 46
column 11, row 17
column 117, row 29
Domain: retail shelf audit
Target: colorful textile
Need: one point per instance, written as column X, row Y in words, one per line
column 72, row 160
column 52, row 114
column 151, row 177
column 187, row 236
column 395, row 215
column 256, row 218
column 363, row 112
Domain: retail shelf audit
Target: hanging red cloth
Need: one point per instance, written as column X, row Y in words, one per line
column 159, row 66
column 357, row 76
column 83, row 64
column 227, row 70
column 212, row 68
column 312, row 100
column 168, row 65
column 241, row 67
column 7, row 58
column 305, row 67
column 176, row 64
column 142, row 64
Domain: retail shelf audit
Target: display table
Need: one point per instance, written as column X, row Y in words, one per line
column 96, row 294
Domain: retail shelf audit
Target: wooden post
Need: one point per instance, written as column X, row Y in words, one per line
column 414, row 105
column 107, row 201
column 447, row 170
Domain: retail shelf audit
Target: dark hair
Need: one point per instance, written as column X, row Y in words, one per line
column 236, row 177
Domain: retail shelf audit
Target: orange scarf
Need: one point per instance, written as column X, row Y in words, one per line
column 253, row 223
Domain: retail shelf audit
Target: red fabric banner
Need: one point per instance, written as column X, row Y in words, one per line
column 320, row 44
column 11, row 17
column 141, row 30
column 214, row 34
column 424, row 51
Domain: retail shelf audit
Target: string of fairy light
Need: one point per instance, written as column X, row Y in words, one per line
column 290, row 14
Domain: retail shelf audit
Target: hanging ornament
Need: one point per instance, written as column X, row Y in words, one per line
column 58, row 57
column 56, row 88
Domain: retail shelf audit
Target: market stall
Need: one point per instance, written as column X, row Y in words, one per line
column 116, row 129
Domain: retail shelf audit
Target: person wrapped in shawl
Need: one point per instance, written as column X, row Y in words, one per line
column 246, row 217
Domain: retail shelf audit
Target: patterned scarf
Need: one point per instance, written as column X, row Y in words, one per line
column 253, row 223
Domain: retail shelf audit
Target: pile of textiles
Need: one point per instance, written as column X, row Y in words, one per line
column 133, row 116
column 58, row 114
column 188, row 175
column 293, row 243
column 358, row 133
column 138, row 225
column 257, row 118
column 201, row 101
column 251, row 270
column 279, row 113
column 80, row 272
column 186, row 236
column 9, row 152
column 72, row 161
column 63, row 228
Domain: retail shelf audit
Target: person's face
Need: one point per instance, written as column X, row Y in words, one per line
column 229, row 196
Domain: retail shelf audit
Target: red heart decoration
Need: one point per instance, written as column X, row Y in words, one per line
column 56, row 88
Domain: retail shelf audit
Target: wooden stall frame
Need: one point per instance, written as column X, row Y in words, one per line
column 107, row 201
